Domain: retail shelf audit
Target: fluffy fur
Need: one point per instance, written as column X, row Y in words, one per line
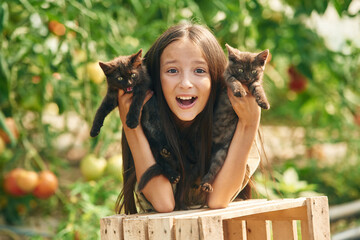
column 243, row 68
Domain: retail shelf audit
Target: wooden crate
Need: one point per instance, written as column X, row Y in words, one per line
column 250, row 219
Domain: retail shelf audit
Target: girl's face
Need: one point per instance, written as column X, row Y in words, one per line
column 185, row 79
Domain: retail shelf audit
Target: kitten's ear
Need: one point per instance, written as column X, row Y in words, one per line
column 262, row 57
column 106, row 67
column 231, row 50
column 136, row 59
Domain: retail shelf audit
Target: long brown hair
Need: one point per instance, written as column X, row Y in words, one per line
column 198, row 135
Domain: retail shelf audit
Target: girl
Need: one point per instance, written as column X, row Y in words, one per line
column 186, row 65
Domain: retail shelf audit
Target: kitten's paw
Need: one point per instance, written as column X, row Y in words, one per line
column 94, row 133
column 165, row 153
column 239, row 93
column 264, row 105
column 132, row 123
column 206, row 187
column 174, row 179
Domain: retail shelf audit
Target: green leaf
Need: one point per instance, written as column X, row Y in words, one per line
column 4, row 81
column 341, row 5
column 4, row 16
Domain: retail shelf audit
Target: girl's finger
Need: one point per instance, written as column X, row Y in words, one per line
column 149, row 94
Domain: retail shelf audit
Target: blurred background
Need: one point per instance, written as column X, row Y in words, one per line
column 57, row 182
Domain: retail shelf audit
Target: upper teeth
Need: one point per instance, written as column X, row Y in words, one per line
column 185, row 98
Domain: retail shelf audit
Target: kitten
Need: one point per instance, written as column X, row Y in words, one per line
column 128, row 73
column 243, row 68
column 248, row 69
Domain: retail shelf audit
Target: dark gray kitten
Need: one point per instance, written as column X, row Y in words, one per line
column 128, row 73
column 243, row 68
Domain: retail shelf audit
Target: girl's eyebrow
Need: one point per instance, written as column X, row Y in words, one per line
column 200, row 62
column 194, row 62
column 170, row 62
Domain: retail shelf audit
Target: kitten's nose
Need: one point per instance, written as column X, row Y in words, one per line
column 130, row 81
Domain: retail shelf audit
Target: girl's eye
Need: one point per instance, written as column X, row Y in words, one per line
column 199, row 70
column 120, row 78
column 253, row 71
column 133, row 75
column 241, row 70
column 172, row 70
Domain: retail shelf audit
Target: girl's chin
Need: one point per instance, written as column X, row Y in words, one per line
column 185, row 117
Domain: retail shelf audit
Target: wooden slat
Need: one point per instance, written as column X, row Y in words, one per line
column 135, row 229
column 318, row 218
column 305, row 233
column 256, row 208
column 111, row 227
column 197, row 212
column 161, row 228
column 257, row 229
column 284, row 230
column 211, row 228
column 298, row 213
column 186, row 229
column 234, row 229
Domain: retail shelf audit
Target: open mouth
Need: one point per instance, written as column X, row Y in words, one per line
column 129, row 89
column 186, row 101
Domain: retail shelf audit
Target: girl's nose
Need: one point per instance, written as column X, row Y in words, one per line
column 185, row 81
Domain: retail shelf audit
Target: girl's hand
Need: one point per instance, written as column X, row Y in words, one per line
column 124, row 102
column 246, row 108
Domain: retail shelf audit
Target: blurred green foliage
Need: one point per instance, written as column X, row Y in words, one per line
column 40, row 67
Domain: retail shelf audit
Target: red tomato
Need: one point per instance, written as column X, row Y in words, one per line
column 47, row 186
column 10, row 184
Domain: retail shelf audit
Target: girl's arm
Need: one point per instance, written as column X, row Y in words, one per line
column 231, row 176
column 158, row 191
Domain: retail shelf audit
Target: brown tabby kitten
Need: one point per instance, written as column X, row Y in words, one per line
column 248, row 69
column 243, row 68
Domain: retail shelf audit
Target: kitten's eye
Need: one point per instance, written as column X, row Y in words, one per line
column 241, row 70
column 133, row 75
column 120, row 78
column 253, row 71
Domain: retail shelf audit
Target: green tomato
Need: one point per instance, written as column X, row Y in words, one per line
column 92, row 168
column 95, row 73
column 114, row 166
